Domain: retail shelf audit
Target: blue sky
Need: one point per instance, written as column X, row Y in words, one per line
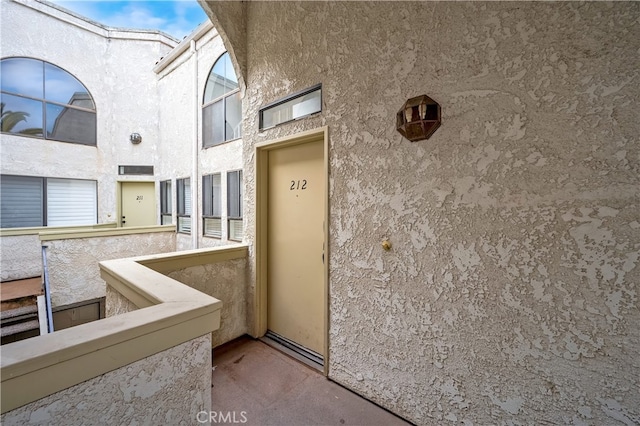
column 176, row 18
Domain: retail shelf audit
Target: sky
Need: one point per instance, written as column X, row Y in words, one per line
column 177, row 18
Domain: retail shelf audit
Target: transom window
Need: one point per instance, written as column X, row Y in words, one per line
column 221, row 107
column 39, row 99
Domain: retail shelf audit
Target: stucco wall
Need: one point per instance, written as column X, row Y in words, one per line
column 170, row 387
column 225, row 281
column 74, row 274
column 181, row 87
column 116, row 67
column 116, row 303
column 511, row 291
column 20, row 257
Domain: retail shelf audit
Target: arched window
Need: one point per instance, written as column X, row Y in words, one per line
column 221, row 106
column 42, row 100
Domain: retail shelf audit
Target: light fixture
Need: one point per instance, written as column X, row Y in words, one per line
column 418, row 118
column 135, row 138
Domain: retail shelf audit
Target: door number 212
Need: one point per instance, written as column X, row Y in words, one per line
column 298, row 184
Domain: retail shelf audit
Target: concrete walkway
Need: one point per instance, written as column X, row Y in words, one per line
column 254, row 384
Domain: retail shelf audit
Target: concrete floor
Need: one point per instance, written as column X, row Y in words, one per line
column 255, row 384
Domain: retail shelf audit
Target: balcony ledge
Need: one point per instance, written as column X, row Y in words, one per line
column 170, row 313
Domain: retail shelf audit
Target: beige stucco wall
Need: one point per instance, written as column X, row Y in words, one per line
column 74, row 274
column 226, row 281
column 20, row 257
column 170, row 387
column 116, row 67
column 511, row 291
column 116, row 303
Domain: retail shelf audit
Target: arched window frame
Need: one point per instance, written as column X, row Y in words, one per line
column 221, row 112
column 80, row 107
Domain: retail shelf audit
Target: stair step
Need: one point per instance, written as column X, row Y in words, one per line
column 18, row 314
column 18, row 289
column 10, row 330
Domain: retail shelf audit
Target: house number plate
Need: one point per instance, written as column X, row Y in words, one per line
column 298, row 185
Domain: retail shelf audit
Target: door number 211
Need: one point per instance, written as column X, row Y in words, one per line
column 298, row 184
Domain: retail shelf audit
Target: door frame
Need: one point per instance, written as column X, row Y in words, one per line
column 119, row 198
column 261, row 237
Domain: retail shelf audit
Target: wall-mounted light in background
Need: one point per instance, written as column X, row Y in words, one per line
column 135, row 138
column 418, row 118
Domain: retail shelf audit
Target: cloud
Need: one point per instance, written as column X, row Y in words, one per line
column 177, row 18
column 137, row 16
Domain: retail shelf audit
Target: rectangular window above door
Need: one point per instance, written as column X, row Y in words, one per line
column 292, row 107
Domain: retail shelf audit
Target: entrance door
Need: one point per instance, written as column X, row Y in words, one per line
column 295, row 269
column 138, row 203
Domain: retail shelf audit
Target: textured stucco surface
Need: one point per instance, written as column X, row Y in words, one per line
column 116, row 303
column 20, row 257
column 511, row 293
column 170, row 387
column 231, row 20
column 74, row 274
column 115, row 66
column 181, row 86
column 226, row 281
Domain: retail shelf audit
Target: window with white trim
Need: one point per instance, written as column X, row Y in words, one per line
column 221, row 105
column 183, row 193
column 166, row 215
column 234, row 205
column 293, row 107
column 212, row 205
column 27, row 201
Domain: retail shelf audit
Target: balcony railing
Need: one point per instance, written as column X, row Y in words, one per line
column 164, row 334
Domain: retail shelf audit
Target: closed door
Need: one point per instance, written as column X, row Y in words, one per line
column 138, row 204
column 295, row 271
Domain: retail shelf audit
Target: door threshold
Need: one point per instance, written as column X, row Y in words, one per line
column 294, row 350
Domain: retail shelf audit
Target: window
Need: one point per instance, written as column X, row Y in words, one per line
column 135, row 170
column 293, row 107
column 184, row 205
column 71, row 202
column 212, row 206
column 39, row 99
column 221, row 107
column 34, row 201
column 166, row 217
column 22, row 202
column 234, row 204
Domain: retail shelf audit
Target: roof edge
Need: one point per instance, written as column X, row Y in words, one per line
column 58, row 12
column 195, row 35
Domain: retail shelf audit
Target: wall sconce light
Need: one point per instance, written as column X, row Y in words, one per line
column 418, row 118
column 135, row 138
